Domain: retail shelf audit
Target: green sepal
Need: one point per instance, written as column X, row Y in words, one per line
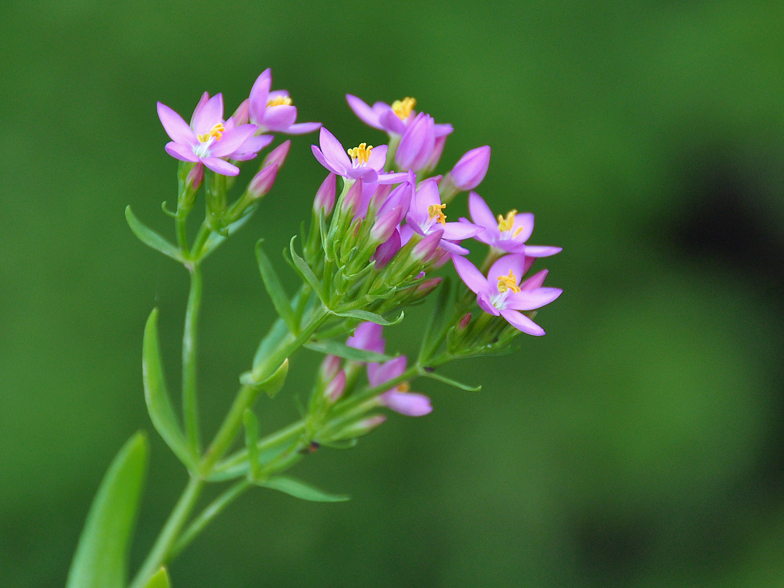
column 159, row 580
column 334, row 347
column 275, row 289
column 251, row 441
column 150, row 238
column 167, row 211
column 305, row 272
column 271, row 385
column 324, row 233
column 101, row 559
column 450, row 381
column 366, row 315
column 434, row 332
column 157, row 397
column 301, row 490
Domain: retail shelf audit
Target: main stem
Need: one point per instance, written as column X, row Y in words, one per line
column 161, row 551
column 189, row 399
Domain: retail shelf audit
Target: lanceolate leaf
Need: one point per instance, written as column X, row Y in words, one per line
column 101, row 559
column 155, row 394
column 159, row 580
column 333, row 347
column 301, row 490
column 275, row 289
column 150, row 238
column 451, row 382
column 304, row 270
column 252, row 440
column 366, row 315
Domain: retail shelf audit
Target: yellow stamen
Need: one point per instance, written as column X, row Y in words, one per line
column 361, row 153
column 509, row 282
column 436, row 210
column 403, row 107
column 506, row 224
column 404, row 387
column 216, row 131
column 279, row 101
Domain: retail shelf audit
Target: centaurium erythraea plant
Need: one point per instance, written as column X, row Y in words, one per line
column 378, row 242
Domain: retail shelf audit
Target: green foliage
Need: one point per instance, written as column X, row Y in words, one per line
column 301, row 490
column 159, row 580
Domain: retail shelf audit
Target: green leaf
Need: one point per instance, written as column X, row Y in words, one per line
column 366, row 315
column 251, row 440
column 150, row 238
column 157, row 398
column 271, row 385
column 275, row 289
column 334, row 347
column 303, row 269
column 301, row 490
column 101, row 559
column 434, row 332
column 451, row 382
column 159, row 580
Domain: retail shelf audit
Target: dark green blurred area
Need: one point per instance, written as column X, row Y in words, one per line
column 641, row 443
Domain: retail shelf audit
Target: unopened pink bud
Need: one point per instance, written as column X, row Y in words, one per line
column 439, row 258
column 262, row 182
column 329, row 368
column 428, row 286
column 379, row 196
column 195, row 177
column 435, row 157
column 427, row 246
column 325, row 197
column 466, row 318
column 336, row 387
column 387, row 250
column 386, row 225
column 240, row 115
column 353, row 199
column 277, row 155
column 363, row 427
column 469, row 172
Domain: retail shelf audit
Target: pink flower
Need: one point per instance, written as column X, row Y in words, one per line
column 366, row 163
column 391, row 118
column 207, row 139
column 508, row 233
column 273, row 111
column 501, row 293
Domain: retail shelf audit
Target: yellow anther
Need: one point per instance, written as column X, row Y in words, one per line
column 403, row 107
column 437, row 211
column 216, row 131
column 404, row 387
column 279, row 101
column 361, row 153
column 506, row 224
column 509, row 282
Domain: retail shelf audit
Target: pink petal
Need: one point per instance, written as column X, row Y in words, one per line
column 366, row 114
column 472, row 277
column 482, row 215
column 514, row 262
column 323, row 160
column 523, row 221
column 535, row 281
column 453, row 248
column 389, row 370
column 333, row 151
column 483, row 300
column 532, row 299
column 221, row 167
column 522, row 323
column 460, row 231
column 181, row 152
column 209, row 115
column 443, row 130
column 303, row 128
column 232, row 140
column 407, row 403
column 202, row 101
column 541, row 250
column 279, row 118
column 258, row 96
column 174, row 125
column 378, row 157
column 391, row 122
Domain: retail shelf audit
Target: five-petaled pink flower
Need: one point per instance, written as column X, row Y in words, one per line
column 500, row 293
column 392, row 118
column 366, row 163
column 273, row 110
column 208, row 139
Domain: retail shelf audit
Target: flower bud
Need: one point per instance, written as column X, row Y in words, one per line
column 336, row 387
column 379, row 196
column 329, row 368
column 195, row 177
column 439, row 258
column 361, row 428
column 325, row 196
column 353, row 199
column 240, row 115
column 435, row 156
column 469, row 172
column 387, row 250
column 277, row 155
column 464, row 321
column 262, row 182
column 427, row 246
column 386, row 225
column 427, row 287
column 417, row 143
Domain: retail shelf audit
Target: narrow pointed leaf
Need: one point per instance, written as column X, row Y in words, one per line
column 159, row 580
column 101, row 559
column 271, row 385
column 150, row 238
column 366, row 315
column 303, row 269
column 157, row 397
column 451, row 382
column 301, row 490
column 334, row 347
column 276, row 334
column 275, row 289
column 251, row 440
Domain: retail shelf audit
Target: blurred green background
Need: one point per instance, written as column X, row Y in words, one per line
column 641, row 443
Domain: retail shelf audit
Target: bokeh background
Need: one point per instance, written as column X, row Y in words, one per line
column 641, row 443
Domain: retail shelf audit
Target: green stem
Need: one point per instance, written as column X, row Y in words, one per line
column 293, row 431
column 161, row 551
column 200, row 241
column 182, row 237
column 189, row 400
column 207, row 515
